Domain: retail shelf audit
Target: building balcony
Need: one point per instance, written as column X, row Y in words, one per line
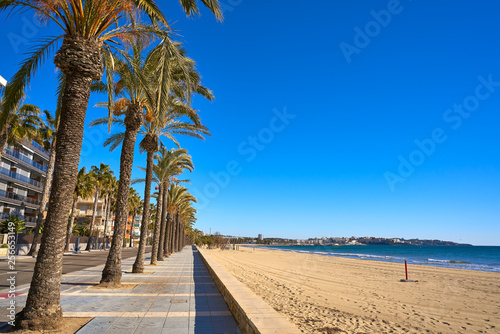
column 25, row 160
column 38, row 148
column 13, row 198
column 26, row 180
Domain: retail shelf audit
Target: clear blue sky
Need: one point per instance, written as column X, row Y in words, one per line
column 317, row 113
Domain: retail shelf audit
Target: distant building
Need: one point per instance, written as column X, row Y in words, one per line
column 83, row 214
column 261, row 237
column 22, row 174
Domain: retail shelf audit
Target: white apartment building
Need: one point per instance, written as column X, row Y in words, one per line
column 23, row 171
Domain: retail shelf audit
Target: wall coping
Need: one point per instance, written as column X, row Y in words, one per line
column 253, row 315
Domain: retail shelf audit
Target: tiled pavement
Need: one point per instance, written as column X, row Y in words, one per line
column 178, row 297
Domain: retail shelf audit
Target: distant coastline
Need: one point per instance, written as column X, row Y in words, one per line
column 478, row 258
column 339, row 241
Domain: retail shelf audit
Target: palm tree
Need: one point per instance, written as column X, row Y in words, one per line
column 47, row 135
column 170, row 163
column 100, row 177
column 134, row 208
column 110, row 189
column 134, row 204
column 167, row 108
column 187, row 218
column 179, row 203
column 177, row 161
column 136, row 75
column 88, row 28
column 22, row 125
column 82, row 230
column 83, row 189
column 12, row 224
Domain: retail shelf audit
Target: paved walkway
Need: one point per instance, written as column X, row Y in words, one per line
column 179, row 296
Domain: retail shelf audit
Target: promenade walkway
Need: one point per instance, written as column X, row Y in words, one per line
column 177, row 296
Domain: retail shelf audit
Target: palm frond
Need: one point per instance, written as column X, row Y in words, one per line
column 104, row 120
column 15, row 90
column 114, row 140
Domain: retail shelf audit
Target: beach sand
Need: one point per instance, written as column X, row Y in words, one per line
column 324, row 294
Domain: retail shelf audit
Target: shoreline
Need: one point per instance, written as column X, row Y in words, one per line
column 321, row 293
column 435, row 263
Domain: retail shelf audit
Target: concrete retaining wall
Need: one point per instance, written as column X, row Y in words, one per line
column 252, row 314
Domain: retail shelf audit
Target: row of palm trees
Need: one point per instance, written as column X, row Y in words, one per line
column 149, row 91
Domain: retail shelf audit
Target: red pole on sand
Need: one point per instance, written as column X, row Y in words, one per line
column 406, row 270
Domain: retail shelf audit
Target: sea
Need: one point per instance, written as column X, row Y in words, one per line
column 482, row 258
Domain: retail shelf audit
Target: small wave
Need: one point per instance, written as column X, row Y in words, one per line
column 448, row 261
column 440, row 261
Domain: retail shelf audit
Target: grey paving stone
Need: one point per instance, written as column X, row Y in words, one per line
column 98, row 325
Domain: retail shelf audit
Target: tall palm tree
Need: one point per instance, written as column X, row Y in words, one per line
column 22, row 125
column 134, row 203
column 178, row 201
column 138, row 205
column 83, row 189
column 131, row 104
column 170, row 163
column 47, row 136
column 88, row 28
column 177, row 161
column 100, row 177
column 167, row 108
column 136, row 74
column 187, row 218
column 110, row 190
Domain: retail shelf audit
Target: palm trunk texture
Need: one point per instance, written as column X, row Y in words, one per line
column 112, row 273
column 106, row 222
column 171, row 233
column 92, row 222
column 156, row 233
column 138, row 266
column 43, row 202
column 166, row 245
column 71, row 224
column 163, row 223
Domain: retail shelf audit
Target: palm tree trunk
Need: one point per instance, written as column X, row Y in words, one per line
column 71, row 223
column 167, row 229
column 179, row 236
column 174, row 233
column 112, row 273
column 180, row 231
column 156, row 233
column 163, row 222
column 43, row 310
column 106, row 221
column 171, row 233
column 131, row 230
column 43, row 202
column 138, row 266
column 94, row 211
column 125, row 234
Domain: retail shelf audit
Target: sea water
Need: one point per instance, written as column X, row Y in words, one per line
column 483, row 258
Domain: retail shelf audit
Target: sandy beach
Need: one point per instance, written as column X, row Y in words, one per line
column 323, row 294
